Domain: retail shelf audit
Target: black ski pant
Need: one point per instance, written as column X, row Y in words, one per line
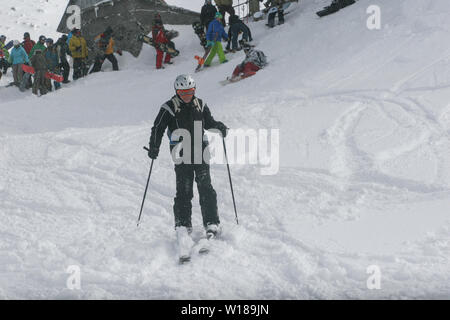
column 271, row 21
column 79, row 68
column 182, row 207
column 99, row 62
column 65, row 68
column 4, row 65
column 234, row 32
column 223, row 9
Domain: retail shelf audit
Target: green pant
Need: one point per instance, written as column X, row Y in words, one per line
column 216, row 49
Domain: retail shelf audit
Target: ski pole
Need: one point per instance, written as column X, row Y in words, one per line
column 145, row 192
column 229, row 177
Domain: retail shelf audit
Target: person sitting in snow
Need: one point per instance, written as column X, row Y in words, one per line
column 253, row 62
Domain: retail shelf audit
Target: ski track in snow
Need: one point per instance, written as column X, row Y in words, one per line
column 364, row 177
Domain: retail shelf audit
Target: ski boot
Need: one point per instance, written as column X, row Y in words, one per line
column 213, row 231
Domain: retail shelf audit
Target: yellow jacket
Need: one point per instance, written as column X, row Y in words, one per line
column 78, row 47
column 109, row 48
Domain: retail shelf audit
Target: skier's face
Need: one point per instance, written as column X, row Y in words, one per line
column 186, row 95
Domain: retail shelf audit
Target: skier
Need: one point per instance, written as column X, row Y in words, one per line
column 39, row 64
column 4, row 56
column 105, row 43
column 237, row 27
column 225, row 6
column 253, row 62
column 63, row 50
column 79, row 50
column 214, row 36
column 278, row 4
column 207, row 14
column 39, row 45
column 184, row 111
column 159, row 37
column 27, row 43
column 53, row 62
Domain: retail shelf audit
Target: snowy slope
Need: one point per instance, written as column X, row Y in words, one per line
column 364, row 179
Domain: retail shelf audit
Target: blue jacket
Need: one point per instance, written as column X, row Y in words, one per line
column 52, row 58
column 18, row 56
column 216, row 31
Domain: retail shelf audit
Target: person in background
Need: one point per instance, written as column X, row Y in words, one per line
column 53, row 62
column 79, row 50
column 39, row 64
column 27, row 43
column 237, row 27
column 207, row 14
column 4, row 56
column 105, row 44
column 159, row 37
column 17, row 58
column 225, row 6
column 63, row 51
column 215, row 34
column 275, row 4
column 39, row 45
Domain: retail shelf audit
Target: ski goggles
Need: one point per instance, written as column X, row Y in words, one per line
column 186, row 92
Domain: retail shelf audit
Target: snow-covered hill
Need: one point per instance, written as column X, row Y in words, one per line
column 364, row 175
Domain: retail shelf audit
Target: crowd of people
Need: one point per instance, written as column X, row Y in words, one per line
column 49, row 57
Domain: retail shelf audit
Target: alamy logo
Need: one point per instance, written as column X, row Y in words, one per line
column 74, row 280
column 244, row 146
column 374, row 20
column 74, row 20
column 374, row 281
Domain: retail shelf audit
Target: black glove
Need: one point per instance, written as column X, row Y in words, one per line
column 153, row 153
column 77, row 49
column 222, row 128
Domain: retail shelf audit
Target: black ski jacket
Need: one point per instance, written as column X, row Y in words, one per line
column 176, row 114
column 207, row 14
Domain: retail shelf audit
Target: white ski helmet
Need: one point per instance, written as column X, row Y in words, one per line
column 184, row 82
column 16, row 43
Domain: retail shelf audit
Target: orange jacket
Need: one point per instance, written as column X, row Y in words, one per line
column 107, row 48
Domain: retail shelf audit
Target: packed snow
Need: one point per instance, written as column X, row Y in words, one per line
column 364, row 177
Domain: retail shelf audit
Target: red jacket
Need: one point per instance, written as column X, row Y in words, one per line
column 28, row 45
column 161, row 37
column 159, row 34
